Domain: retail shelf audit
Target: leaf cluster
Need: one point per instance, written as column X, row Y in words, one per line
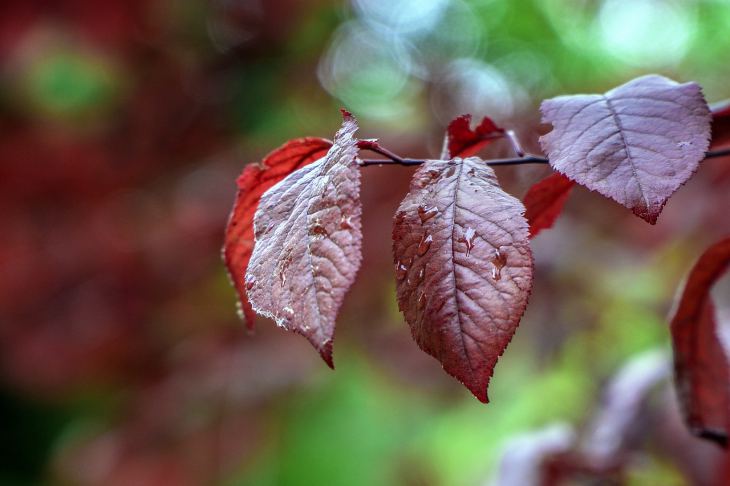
column 461, row 244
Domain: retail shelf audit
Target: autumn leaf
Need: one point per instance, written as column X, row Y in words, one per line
column 308, row 243
column 700, row 357
column 545, row 200
column 462, row 141
column 252, row 183
column 635, row 144
column 463, row 266
column 720, row 124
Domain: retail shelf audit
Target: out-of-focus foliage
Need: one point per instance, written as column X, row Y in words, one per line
column 124, row 125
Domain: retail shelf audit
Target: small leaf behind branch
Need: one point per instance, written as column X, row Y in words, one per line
column 462, row 141
column 252, row 183
column 463, row 266
column 545, row 200
column 635, row 144
column 701, row 362
column 308, row 244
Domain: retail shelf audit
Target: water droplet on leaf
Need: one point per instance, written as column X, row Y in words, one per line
column 499, row 261
column 424, row 244
column 346, row 222
column 422, row 299
column 469, row 236
column 400, row 271
column 317, row 230
column 427, row 212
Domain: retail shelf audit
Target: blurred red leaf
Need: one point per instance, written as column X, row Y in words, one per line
column 720, row 124
column 545, row 200
column 635, row 144
column 462, row 141
column 308, row 243
column 463, row 266
column 254, row 181
column 700, row 357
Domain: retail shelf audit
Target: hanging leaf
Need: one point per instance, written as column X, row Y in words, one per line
column 720, row 124
column 545, row 200
column 462, row 141
column 701, row 363
column 308, row 243
column 463, row 266
column 635, row 144
column 252, row 183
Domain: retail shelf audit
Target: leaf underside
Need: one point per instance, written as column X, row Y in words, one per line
column 636, row 144
column 252, row 183
column 463, row 266
column 701, row 363
column 545, row 200
column 308, row 244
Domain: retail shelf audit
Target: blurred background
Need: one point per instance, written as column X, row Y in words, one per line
column 123, row 125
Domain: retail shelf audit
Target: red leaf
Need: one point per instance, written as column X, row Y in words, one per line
column 720, row 124
column 635, row 144
column 544, row 201
column 700, row 359
column 308, row 243
column 462, row 141
column 463, row 266
column 252, row 183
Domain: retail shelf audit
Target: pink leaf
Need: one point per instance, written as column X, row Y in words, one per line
column 635, row 144
column 700, row 357
column 463, row 266
column 462, row 141
column 545, row 200
column 252, row 183
column 308, row 243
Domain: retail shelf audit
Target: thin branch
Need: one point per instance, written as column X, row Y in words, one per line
column 717, row 153
column 527, row 159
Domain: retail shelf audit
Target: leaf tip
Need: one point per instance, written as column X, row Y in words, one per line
column 325, row 351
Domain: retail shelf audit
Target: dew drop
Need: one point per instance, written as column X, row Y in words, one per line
column 250, row 282
column 424, row 244
column 499, row 260
column 400, row 271
column 317, row 230
column 421, row 299
column 282, row 267
column 346, row 222
column 684, row 145
column 469, row 236
column 421, row 274
column 426, row 212
column 288, row 311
